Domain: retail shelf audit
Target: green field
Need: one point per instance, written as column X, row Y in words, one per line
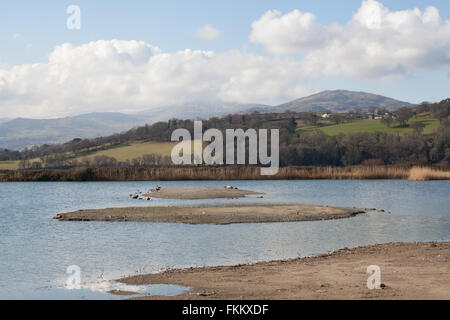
column 120, row 153
column 9, row 165
column 135, row 150
column 431, row 125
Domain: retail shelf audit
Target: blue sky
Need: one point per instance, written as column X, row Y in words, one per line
column 30, row 31
column 167, row 24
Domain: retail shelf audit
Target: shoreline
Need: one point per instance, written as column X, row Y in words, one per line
column 417, row 270
column 215, row 215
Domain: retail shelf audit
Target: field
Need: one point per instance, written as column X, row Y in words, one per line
column 120, row 153
column 9, row 165
column 431, row 125
column 135, row 150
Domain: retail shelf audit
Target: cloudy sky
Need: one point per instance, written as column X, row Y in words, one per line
column 131, row 56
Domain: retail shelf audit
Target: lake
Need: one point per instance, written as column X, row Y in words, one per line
column 36, row 250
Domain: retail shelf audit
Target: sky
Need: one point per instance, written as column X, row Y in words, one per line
column 131, row 56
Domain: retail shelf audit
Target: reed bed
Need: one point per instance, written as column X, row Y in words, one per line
column 426, row 173
column 227, row 173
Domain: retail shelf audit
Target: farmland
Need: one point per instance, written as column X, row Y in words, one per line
column 124, row 152
column 328, row 128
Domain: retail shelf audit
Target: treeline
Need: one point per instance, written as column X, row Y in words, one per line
column 312, row 149
column 157, row 132
column 296, row 148
column 377, row 147
column 319, row 149
column 161, row 132
column 101, row 161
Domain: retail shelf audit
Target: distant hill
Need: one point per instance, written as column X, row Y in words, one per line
column 20, row 132
column 200, row 110
column 338, row 101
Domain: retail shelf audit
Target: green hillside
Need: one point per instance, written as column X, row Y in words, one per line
column 431, row 125
column 9, row 165
column 120, row 153
column 135, row 150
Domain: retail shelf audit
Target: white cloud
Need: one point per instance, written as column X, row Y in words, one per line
column 16, row 36
column 207, row 32
column 128, row 76
column 376, row 43
column 289, row 33
column 131, row 76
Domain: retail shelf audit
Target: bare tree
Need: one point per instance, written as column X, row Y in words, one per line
column 387, row 121
column 403, row 115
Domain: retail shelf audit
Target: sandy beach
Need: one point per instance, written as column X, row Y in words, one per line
column 213, row 215
column 408, row 271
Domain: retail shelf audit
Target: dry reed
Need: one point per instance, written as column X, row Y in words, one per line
column 426, row 173
column 226, row 173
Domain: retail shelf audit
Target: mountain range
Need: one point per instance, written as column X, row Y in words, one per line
column 22, row 132
column 200, row 110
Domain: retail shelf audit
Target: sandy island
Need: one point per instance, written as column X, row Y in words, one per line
column 408, row 271
column 192, row 193
column 212, row 215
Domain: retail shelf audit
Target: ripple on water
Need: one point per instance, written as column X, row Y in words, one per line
column 36, row 250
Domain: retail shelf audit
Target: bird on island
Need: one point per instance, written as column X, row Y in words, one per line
column 155, row 190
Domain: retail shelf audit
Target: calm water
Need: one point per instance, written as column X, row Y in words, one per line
column 35, row 250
